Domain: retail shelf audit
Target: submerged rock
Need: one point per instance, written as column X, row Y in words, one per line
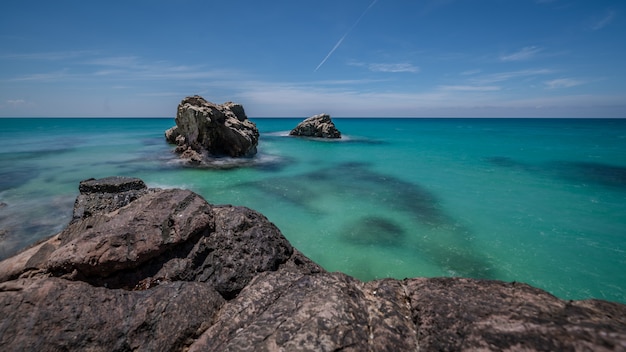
column 320, row 126
column 204, row 129
column 165, row 270
column 374, row 231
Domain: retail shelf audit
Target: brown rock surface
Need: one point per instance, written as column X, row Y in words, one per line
column 152, row 269
column 320, row 126
column 204, row 129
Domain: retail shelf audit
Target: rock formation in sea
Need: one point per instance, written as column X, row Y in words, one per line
column 320, row 126
column 204, row 129
column 141, row 268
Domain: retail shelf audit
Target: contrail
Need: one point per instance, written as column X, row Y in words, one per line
column 344, row 36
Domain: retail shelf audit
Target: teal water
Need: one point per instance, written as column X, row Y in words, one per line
column 541, row 201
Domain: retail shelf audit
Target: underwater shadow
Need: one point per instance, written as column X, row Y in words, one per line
column 452, row 248
column 572, row 171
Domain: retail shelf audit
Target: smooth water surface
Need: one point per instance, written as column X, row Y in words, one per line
column 541, row 201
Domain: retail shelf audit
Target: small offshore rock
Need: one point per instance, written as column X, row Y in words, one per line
column 320, row 126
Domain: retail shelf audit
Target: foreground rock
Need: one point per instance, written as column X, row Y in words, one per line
column 320, row 126
column 204, row 129
column 152, row 269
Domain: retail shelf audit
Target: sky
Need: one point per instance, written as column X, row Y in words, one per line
column 297, row 58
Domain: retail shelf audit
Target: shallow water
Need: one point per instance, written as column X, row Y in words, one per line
column 537, row 201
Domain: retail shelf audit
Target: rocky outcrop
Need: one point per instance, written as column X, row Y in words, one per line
column 204, row 130
column 320, row 126
column 152, row 269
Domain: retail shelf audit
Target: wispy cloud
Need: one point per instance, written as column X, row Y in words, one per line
column 162, row 94
column 15, row 102
column 43, row 77
column 124, row 69
column 526, row 53
column 305, row 99
column 562, row 83
column 388, row 67
column 603, row 21
column 470, row 88
column 471, row 72
column 115, row 61
column 50, row 56
column 508, row 75
column 403, row 67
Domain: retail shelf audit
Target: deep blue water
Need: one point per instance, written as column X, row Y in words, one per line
column 541, row 201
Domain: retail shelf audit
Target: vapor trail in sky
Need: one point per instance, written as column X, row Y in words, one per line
column 344, row 36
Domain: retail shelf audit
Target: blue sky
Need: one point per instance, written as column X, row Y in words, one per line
column 290, row 58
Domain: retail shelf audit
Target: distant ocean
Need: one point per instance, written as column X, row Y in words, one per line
column 541, row 201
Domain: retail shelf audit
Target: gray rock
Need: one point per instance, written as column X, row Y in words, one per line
column 331, row 311
column 204, row 129
column 105, row 195
column 52, row 314
column 113, row 184
column 320, row 126
column 165, row 270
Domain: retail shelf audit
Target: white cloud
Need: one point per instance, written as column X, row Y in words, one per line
column 15, row 102
column 508, row 75
column 42, row 77
column 388, row 67
column 127, row 68
column 604, row 21
column 51, row 56
column 471, row 72
column 470, row 88
column 163, row 94
column 286, row 100
column 526, row 53
column 476, row 93
column 403, row 67
column 562, row 83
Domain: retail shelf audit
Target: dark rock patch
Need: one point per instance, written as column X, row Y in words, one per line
column 320, row 126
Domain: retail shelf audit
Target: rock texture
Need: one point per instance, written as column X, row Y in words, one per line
column 320, row 126
column 204, row 129
column 151, row 269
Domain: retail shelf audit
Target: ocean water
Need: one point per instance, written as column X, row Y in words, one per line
column 541, row 201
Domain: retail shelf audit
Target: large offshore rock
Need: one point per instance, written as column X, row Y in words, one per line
column 320, row 126
column 204, row 129
column 150, row 269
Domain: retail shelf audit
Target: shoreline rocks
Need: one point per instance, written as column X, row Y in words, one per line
column 204, row 130
column 153, row 269
column 319, row 126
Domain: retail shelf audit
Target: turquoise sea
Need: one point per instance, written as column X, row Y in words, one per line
column 541, row 201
